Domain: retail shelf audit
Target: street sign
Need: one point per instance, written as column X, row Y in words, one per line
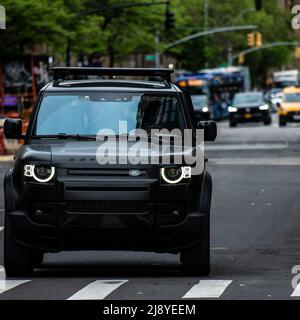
column 150, row 57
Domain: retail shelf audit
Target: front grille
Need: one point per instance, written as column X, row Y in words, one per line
column 248, row 110
column 106, row 207
column 103, row 172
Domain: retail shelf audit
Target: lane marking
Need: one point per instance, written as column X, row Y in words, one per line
column 296, row 292
column 218, row 248
column 294, row 161
column 6, row 285
column 207, row 289
column 97, row 290
column 245, row 146
column 1, row 228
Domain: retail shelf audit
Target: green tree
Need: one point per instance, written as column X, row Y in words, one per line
column 61, row 26
column 273, row 22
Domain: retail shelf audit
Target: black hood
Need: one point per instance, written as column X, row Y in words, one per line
column 248, row 105
column 70, row 153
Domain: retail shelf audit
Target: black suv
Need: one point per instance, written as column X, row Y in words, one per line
column 60, row 196
column 249, row 107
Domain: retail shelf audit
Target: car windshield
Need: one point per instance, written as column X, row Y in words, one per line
column 251, row 98
column 199, row 101
column 86, row 114
column 292, row 97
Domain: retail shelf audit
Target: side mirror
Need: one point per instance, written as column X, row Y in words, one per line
column 13, row 128
column 210, row 129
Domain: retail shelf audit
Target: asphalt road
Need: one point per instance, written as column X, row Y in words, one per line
column 255, row 234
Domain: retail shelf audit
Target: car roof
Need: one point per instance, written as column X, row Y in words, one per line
column 110, row 85
column 291, row 90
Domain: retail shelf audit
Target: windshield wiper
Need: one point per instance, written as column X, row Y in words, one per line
column 63, row 136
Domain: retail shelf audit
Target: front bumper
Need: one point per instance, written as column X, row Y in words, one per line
column 108, row 214
column 293, row 116
column 253, row 116
column 108, row 236
column 202, row 116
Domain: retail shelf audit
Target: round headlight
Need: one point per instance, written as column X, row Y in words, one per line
column 172, row 175
column 43, row 173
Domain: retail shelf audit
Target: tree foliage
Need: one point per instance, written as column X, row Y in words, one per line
column 123, row 31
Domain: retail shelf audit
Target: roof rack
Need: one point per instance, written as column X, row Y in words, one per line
column 60, row 73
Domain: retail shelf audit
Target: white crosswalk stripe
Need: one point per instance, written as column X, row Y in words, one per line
column 97, row 290
column 207, row 289
column 296, row 292
column 6, row 285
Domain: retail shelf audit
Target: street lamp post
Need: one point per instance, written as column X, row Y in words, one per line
column 206, row 3
column 211, row 31
column 266, row 46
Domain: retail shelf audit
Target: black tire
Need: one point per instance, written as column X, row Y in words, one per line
column 37, row 258
column 17, row 259
column 282, row 123
column 232, row 124
column 267, row 122
column 196, row 260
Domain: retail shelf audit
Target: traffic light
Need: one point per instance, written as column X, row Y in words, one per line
column 254, row 39
column 169, row 20
column 258, row 40
column 241, row 59
column 297, row 53
column 251, row 39
column 258, row 4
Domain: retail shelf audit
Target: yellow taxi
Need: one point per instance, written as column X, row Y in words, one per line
column 289, row 108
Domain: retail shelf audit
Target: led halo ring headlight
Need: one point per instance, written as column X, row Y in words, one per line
column 40, row 173
column 174, row 175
